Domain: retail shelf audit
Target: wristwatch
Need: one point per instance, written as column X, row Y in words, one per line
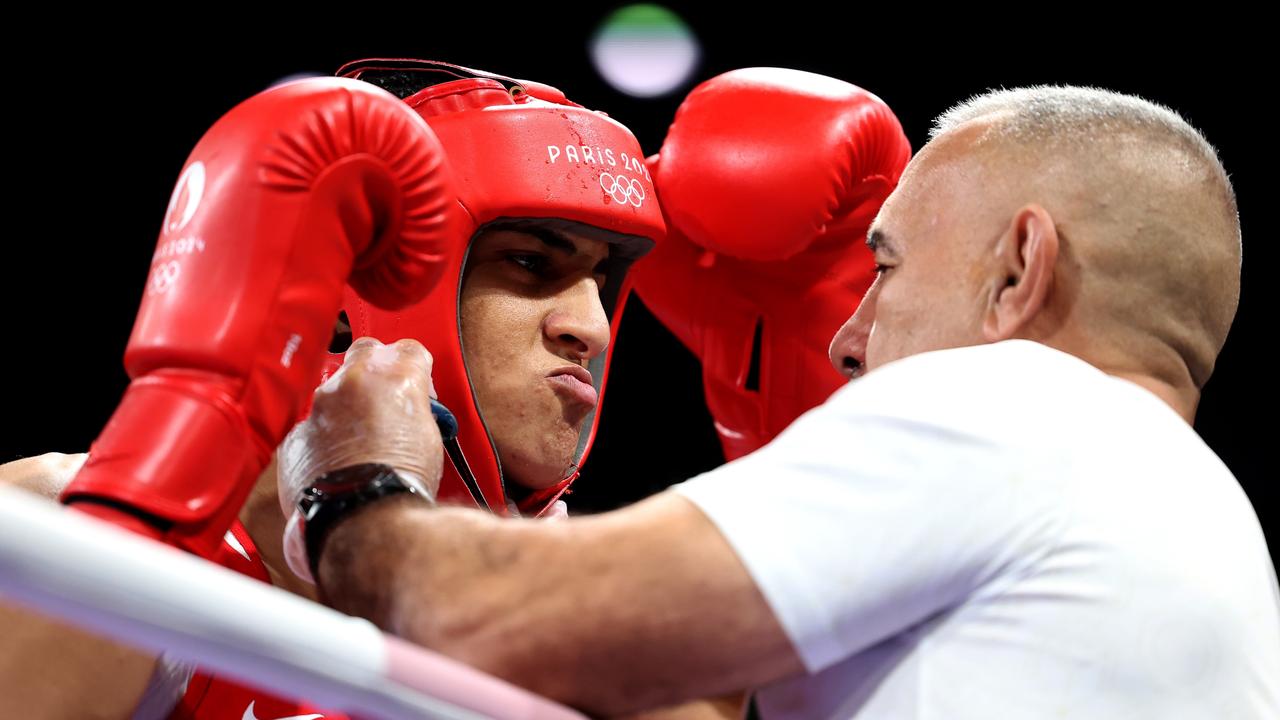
column 336, row 494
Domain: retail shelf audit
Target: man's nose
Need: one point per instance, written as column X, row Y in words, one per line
column 848, row 351
column 578, row 321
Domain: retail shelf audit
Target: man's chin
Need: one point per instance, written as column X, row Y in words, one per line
column 575, row 414
column 529, row 478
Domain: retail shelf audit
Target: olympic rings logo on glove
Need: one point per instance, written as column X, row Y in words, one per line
column 622, row 188
column 163, row 277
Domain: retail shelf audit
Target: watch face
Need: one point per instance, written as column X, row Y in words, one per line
column 331, row 485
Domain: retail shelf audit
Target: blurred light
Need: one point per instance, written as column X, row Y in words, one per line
column 645, row 50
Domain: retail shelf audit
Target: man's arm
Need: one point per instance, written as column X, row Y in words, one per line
column 50, row 670
column 638, row 608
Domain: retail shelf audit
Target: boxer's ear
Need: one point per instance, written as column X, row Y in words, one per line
column 1026, row 255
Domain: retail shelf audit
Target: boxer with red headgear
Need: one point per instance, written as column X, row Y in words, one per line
column 556, row 204
column 540, row 174
column 767, row 213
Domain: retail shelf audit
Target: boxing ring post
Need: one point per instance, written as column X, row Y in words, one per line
column 156, row 598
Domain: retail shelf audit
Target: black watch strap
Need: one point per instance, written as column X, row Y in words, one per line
column 335, row 495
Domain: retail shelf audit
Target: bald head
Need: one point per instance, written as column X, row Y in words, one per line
column 1150, row 236
column 1096, row 223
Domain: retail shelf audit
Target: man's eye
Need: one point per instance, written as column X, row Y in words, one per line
column 882, row 269
column 538, row 265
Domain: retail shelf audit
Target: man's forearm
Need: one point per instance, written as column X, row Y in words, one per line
column 412, row 569
column 614, row 613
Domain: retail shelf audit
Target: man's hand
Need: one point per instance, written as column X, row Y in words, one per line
column 375, row 409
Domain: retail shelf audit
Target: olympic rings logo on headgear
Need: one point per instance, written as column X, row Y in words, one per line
column 163, row 277
column 622, row 188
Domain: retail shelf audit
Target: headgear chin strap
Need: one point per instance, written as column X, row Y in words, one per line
column 522, row 154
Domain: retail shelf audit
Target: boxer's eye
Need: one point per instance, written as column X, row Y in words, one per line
column 881, row 269
column 533, row 263
column 601, row 273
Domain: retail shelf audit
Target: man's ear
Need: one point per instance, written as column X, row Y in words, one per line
column 1027, row 254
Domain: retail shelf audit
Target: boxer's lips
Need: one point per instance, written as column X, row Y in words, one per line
column 574, row 383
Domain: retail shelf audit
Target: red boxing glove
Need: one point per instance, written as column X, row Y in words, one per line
column 768, row 180
column 290, row 196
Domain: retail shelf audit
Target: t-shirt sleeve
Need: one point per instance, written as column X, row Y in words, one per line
column 873, row 513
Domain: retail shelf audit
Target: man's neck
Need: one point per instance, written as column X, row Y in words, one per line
column 1182, row 400
column 1155, row 368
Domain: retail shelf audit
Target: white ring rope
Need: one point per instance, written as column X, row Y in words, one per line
column 148, row 595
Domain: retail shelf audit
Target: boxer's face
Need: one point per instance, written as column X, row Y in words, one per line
column 531, row 320
column 930, row 290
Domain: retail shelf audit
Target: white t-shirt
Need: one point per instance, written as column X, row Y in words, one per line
column 1003, row 531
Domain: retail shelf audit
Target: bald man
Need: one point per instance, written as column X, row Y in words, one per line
column 1006, row 515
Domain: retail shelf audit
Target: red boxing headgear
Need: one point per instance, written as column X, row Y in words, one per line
column 521, row 153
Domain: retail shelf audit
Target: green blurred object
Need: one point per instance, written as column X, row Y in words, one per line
column 645, row 50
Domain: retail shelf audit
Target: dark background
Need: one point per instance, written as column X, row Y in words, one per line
column 100, row 120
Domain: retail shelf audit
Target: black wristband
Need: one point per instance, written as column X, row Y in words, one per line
column 335, row 495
